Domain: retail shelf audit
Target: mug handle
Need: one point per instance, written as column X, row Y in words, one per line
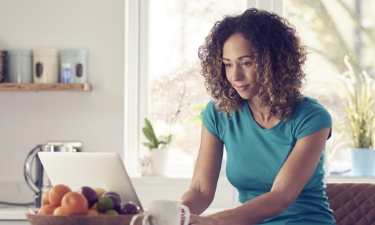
column 187, row 214
column 135, row 217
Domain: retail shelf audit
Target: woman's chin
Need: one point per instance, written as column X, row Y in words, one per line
column 245, row 96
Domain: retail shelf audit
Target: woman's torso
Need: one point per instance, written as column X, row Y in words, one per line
column 255, row 156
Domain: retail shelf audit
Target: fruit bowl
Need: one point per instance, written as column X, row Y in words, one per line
column 79, row 220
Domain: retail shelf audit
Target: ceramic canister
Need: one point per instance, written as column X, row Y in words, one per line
column 74, row 62
column 45, row 65
column 20, row 67
column 3, row 66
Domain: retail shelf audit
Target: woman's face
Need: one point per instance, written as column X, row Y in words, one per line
column 238, row 59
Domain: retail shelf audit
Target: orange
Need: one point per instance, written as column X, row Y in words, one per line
column 60, row 211
column 93, row 212
column 45, row 198
column 46, row 210
column 56, row 194
column 76, row 203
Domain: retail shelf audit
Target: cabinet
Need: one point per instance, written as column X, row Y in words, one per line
column 44, row 87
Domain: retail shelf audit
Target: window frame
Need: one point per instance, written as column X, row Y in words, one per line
column 135, row 90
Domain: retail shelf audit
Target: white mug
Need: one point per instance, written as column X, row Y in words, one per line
column 164, row 212
column 145, row 220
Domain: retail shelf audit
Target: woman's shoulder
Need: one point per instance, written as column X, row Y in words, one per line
column 211, row 109
column 211, row 104
column 308, row 105
column 215, row 121
column 309, row 117
column 309, row 109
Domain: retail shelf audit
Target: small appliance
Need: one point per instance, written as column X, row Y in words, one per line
column 38, row 180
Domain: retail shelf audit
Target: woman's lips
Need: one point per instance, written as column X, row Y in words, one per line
column 241, row 87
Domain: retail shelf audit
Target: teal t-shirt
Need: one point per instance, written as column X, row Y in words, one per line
column 255, row 156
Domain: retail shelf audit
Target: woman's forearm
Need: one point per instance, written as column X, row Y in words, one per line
column 197, row 201
column 254, row 211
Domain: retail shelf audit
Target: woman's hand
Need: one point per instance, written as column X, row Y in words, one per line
column 203, row 220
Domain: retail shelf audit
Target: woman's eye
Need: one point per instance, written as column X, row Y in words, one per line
column 246, row 63
column 227, row 65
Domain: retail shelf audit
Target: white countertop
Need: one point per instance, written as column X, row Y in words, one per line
column 13, row 212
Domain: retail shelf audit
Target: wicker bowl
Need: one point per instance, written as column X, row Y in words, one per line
column 80, row 220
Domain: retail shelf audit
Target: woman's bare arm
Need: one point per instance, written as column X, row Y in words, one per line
column 203, row 186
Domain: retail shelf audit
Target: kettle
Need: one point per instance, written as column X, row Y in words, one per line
column 41, row 183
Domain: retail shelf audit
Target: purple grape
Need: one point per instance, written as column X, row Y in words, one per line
column 111, row 193
column 116, row 202
column 90, row 194
column 129, row 208
column 115, row 198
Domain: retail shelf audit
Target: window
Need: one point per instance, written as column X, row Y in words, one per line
column 162, row 66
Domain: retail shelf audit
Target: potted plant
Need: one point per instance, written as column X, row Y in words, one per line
column 154, row 142
column 159, row 147
column 357, row 94
column 159, row 151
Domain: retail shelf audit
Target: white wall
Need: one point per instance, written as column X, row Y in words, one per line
column 95, row 118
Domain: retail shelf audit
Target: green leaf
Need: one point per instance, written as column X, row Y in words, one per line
column 166, row 139
column 148, row 144
column 150, row 132
column 148, row 124
column 147, row 133
column 156, row 143
column 169, row 138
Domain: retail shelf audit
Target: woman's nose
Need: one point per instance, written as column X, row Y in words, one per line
column 237, row 73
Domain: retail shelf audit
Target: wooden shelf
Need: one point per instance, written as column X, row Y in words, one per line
column 44, row 87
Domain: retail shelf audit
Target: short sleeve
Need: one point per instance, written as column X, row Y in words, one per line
column 311, row 117
column 214, row 121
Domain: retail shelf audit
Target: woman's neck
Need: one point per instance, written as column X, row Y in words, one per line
column 260, row 114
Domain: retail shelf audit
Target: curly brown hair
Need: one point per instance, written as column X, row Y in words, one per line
column 279, row 58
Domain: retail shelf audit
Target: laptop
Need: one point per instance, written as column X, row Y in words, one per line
column 94, row 169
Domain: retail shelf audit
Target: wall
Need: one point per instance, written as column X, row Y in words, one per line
column 96, row 117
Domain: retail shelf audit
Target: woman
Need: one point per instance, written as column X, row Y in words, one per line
column 274, row 137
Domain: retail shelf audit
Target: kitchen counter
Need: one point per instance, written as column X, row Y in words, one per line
column 13, row 212
column 16, row 192
column 13, row 215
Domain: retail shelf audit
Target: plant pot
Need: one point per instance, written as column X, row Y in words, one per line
column 363, row 162
column 159, row 162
